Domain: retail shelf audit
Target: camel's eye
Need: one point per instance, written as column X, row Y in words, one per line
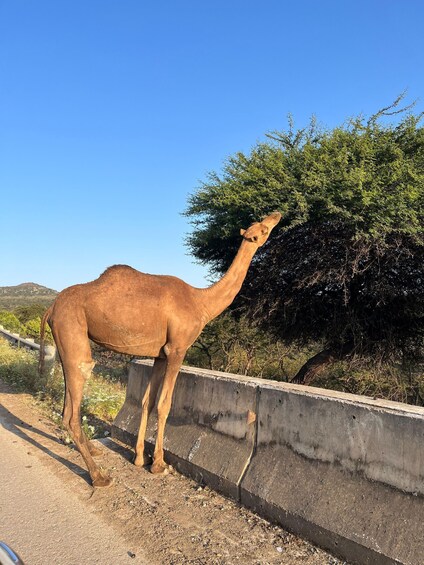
column 255, row 238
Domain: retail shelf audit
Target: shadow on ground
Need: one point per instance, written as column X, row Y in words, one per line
column 20, row 428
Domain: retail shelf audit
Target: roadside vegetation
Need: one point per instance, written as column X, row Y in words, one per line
column 103, row 394
column 236, row 345
column 342, row 275
column 26, row 321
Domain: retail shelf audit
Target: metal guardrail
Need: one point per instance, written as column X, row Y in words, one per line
column 28, row 343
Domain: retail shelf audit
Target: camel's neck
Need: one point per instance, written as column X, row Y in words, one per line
column 221, row 294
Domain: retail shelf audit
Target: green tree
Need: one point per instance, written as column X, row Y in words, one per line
column 10, row 322
column 25, row 321
column 32, row 329
column 30, row 312
column 346, row 264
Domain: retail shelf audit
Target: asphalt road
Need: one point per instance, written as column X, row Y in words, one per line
column 44, row 521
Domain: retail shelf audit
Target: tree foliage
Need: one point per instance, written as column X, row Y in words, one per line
column 26, row 321
column 10, row 322
column 323, row 283
column 29, row 312
column 238, row 346
column 345, row 265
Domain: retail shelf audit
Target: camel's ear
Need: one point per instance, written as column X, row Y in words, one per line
column 242, row 231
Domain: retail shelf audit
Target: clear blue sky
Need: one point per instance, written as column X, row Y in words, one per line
column 112, row 112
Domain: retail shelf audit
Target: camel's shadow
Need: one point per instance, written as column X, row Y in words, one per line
column 119, row 448
column 17, row 426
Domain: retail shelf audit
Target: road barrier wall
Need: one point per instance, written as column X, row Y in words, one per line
column 344, row 471
column 210, row 432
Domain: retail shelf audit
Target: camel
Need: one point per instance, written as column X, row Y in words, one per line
column 144, row 315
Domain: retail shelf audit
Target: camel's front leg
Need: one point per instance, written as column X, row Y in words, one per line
column 174, row 362
column 147, row 404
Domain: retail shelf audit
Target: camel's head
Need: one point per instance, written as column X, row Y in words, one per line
column 259, row 231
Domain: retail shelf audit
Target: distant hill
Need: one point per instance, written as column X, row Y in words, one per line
column 25, row 294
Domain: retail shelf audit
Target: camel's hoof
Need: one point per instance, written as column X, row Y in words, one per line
column 94, row 451
column 142, row 460
column 103, row 482
column 160, row 469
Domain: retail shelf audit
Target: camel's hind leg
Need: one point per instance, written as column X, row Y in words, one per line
column 77, row 366
column 86, row 369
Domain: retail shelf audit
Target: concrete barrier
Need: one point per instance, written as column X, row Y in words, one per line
column 381, row 440
column 323, row 465
column 344, row 471
column 210, row 433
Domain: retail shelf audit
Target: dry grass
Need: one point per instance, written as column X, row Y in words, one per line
column 103, row 395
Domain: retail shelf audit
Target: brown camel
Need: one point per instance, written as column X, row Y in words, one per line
column 139, row 314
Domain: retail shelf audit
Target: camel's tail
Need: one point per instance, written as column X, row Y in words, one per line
column 42, row 333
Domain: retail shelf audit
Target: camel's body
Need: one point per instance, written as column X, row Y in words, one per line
column 139, row 314
column 135, row 313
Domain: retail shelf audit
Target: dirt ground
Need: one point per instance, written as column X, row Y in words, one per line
column 172, row 519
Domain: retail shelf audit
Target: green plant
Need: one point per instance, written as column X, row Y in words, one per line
column 346, row 264
column 398, row 382
column 236, row 345
column 10, row 322
column 19, row 368
column 31, row 312
column 102, row 397
column 32, row 329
